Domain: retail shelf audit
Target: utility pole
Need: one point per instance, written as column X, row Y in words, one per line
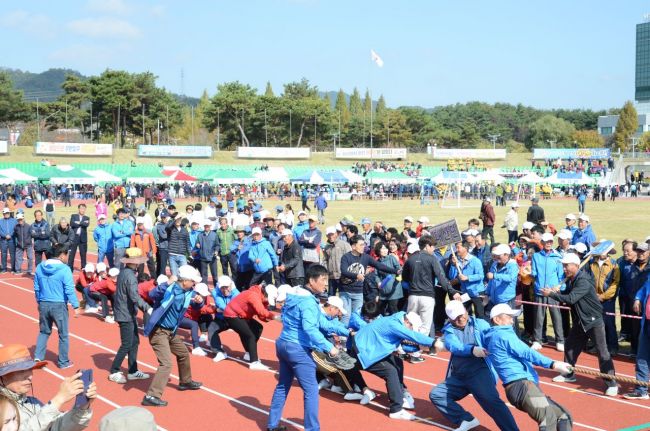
column 218, row 129
column 117, row 131
column 91, row 122
column 38, row 123
column 66, row 119
column 192, row 116
column 144, row 140
column 167, row 124
column 314, row 131
column 266, row 131
column 494, row 138
column 290, row 128
column 551, row 142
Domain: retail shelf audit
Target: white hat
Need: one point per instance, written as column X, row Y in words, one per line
column 423, row 219
column 330, row 229
column 584, row 217
column 504, row 309
column 162, row 278
column 565, row 234
column 312, row 217
column 570, row 216
column 6, row 210
column 514, row 205
column 528, row 225
column 283, row 291
column 501, row 249
column 113, row 272
column 89, row 267
column 454, row 309
column 20, row 216
column 579, row 247
column 571, row 258
column 415, row 320
column 337, row 302
column 487, row 199
column 301, row 213
column 201, row 289
column 286, row 232
column 207, row 222
column 139, row 220
column 339, row 228
column 647, row 238
column 188, row 272
column 224, row 281
column 470, row 232
column 257, row 230
column 271, row 293
column 408, row 219
column 547, row 236
column 101, row 217
column 413, row 248
column 101, row 267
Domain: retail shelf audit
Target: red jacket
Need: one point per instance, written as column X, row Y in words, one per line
column 248, row 304
column 106, row 287
column 144, row 288
column 84, row 281
column 209, row 307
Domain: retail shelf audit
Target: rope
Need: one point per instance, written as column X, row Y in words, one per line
column 564, row 307
column 621, row 379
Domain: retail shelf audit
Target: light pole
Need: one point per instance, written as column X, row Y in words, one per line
column 551, row 142
column 634, row 140
column 218, row 130
column 290, row 128
column 494, row 138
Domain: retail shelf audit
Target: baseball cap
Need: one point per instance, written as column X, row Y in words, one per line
column 313, row 217
column 408, row 219
column 207, row 222
column 528, row 225
column 487, row 199
column 101, row 217
column 101, row 267
column 188, row 272
column 139, row 220
column 584, row 217
column 565, row 234
column 503, row 309
column 454, row 309
column 301, row 213
column 283, row 291
column 162, row 278
column 347, row 220
column 470, row 232
column 113, row 272
column 330, row 229
column 337, row 302
column 647, row 238
column 570, row 216
column 415, row 320
column 164, row 214
column 89, row 267
column 571, row 258
column 20, row 216
column 224, row 281
column 413, row 248
column 286, row 232
column 201, row 289
column 271, row 293
column 366, row 220
column 535, row 199
column 423, row 219
column 5, row 210
column 257, row 216
column 643, row 246
column 547, row 236
column 339, row 228
column 579, row 247
column 255, row 230
column 514, row 205
column 278, row 208
column 501, row 249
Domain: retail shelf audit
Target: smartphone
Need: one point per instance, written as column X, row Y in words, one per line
column 87, row 379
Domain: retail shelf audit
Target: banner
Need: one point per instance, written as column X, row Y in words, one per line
column 180, row 151
column 465, row 153
column 73, row 149
column 273, row 153
column 374, row 153
column 3, row 147
column 445, row 233
column 571, row 153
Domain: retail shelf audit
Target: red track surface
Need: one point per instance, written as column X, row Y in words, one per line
column 234, row 397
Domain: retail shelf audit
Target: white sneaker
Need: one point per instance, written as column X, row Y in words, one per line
column 402, row 415
column 612, row 391
column 203, row 338
column 258, row 366
column 336, row 389
column 324, row 384
column 197, row 351
column 465, row 425
column 117, row 378
column 368, row 396
column 564, row 379
column 246, row 357
column 91, row 310
column 109, row 319
column 353, row 396
column 536, row 346
column 220, row 356
column 408, row 404
column 559, row 347
column 409, row 397
column 138, row 375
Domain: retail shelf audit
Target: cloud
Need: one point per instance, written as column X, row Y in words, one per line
column 90, row 55
column 109, row 28
column 158, row 10
column 29, row 23
column 117, row 7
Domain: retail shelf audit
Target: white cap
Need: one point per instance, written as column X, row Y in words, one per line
column 571, row 258
column 413, row 248
column 287, row 232
column 101, row 217
column 584, row 217
column 514, row 205
column 162, row 278
column 528, row 225
column 207, row 222
column 501, row 249
column 487, row 199
column 202, row 289
column 570, row 216
column 339, row 228
column 408, row 219
column 503, row 309
column 283, row 291
column 257, row 230
column 454, row 309
column 20, row 216
column 470, row 232
column 139, row 220
column 89, row 267
column 101, row 267
column 301, row 213
column 113, row 272
column 647, row 238
column 188, row 272
column 330, row 229
column 224, row 280
column 579, row 247
column 5, row 210
column 423, row 219
column 547, row 236
column 565, row 234
column 337, row 302
column 271, row 293
column 415, row 320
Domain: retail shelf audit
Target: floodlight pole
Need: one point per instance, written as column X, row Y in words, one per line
column 494, row 138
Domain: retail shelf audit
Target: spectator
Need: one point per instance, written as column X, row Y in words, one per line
column 333, row 251
column 49, row 208
column 121, row 232
column 145, row 241
column 208, row 247
column 62, row 234
column 7, row 244
column 79, row 224
column 226, row 236
column 511, row 222
column 179, row 244
column 23, row 238
column 320, row 203
column 40, row 232
column 291, row 268
column 130, row 417
column 103, row 237
column 488, row 218
column 535, row 213
column 310, row 240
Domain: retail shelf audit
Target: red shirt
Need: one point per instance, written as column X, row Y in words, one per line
column 208, row 307
column 106, row 287
column 248, row 304
column 144, row 288
column 84, row 280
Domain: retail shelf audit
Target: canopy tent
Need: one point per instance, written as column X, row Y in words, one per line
column 102, row 176
column 17, row 175
column 6, row 180
column 311, row 177
column 147, row 177
column 231, row 176
column 451, row 177
column 333, row 176
column 383, row 177
column 490, row 176
column 273, row 174
column 352, row 177
column 530, row 178
column 178, row 175
column 65, row 174
column 570, row 178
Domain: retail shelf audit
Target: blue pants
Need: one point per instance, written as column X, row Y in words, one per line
column 8, row 250
column 90, row 302
column 478, row 383
column 611, row 336
column 295, row 361
column 642, row 357
column 101, row 254
column 352, row 302
column 53, row 313
column 175, row 262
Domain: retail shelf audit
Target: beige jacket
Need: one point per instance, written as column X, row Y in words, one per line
column 333, row 254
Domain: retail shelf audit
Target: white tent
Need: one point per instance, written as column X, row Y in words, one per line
column 491, row 176
column 454, row 177
column 102, row 176
column 530, row 178
column 569, row 179
column 352, row 177
column 16, row 175
column 273, row 174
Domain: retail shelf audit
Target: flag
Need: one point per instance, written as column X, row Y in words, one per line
column 376, row 58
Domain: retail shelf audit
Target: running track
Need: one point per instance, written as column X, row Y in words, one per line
column 234, row 397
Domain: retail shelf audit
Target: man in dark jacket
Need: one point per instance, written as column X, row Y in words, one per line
column 160, row 232
column 487, row 217
column 125, row 310
column 23, row 245
column 40, row 232
column 179, row 243
column 208, row 244
column 62, row 234
column 292, row 268
column 79, row 224
column 535, row 212
column 7, row 244
column 587, row 313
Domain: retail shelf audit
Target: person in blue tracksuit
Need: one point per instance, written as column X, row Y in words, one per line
column 585, row 233
column 513, row 362
column 300, row 335
column 469, row 372
column 502, row 277
column 263, row 257
column 642, row 306
column 301, row 225
column 469, row 277
column 7, row 241
column 103, row 236
column 239, row 253
column 121, row 230
column 225, row 292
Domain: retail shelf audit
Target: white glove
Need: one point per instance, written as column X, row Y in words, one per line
column 149, row 311
column 479, row 352
column 562, row 367
column 439, row 345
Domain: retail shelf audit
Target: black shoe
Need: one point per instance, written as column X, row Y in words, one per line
column 191, row 386
column 278, row 428
column 415, row 359
column 148, row 400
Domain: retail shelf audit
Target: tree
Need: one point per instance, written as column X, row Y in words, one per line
column 341, row 107
column 12, row 107
column 644, row 142
column 550, row 128
column 269, row 90
column 233, row 102
column 628, row 122
column 587, row 139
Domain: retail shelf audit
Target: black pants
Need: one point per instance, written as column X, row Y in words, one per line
column 225, row 264
column 577, row 341
column 243, row 279
column 216, row 327
column 129, row 346
column 389, row 306
column 439, row 315
column 249, row 331
column 151, row 267
column 305, row 207
column 477, row 305
column 161, row 261
column 83, row 250
column 528, row 397
column 212, row 266
column 38, row 257
column 97, row 296
column 512, row 236
column 488, row 231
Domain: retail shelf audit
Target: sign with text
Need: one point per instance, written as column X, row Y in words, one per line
column 445, row 233
column 572, row 153
column 374, row 153
column 465, row 153
column 3, row 147
column 73, row 149
column 180, row 151
column 273, row 153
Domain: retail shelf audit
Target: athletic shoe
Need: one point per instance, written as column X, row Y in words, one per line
column 246, row 357
column 220, row 356
column 278, row 428
column 109, row 319
column 336, row 389
column 636, row 396
column 368, row 396
column 353, row 396
column 415, row 359
column 66, row 366
column 402, row 415
column 203, row 338
column 324, row 384
column 612, row 391
column 117, row 378
column 408, row 404
column 150, row 401
column 564, row 379
column 468, row 425
column 342, row 361
column 91, row 310
column 536, row 346
column 559, row 347
column 258, row 366
column 138, row 375
column 191, row 386
column 409, row 397
column 197, row 351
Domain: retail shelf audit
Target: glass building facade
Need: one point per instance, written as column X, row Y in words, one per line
column 642, row 76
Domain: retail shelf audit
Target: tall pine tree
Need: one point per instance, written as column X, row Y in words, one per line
column 626, row 127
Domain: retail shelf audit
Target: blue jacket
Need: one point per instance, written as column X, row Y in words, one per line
column 356, row 321
column 585, row 236
column 456, row 346
column 643, row 295
column 331, row 325
column 300, row 323
column 473, row 269
column 547, row 270
column 53, row 283
column 243, row 261
column 209, row 245
column 511, row 358
column 221, row 302
column 162, row 298
column 502, row 288
column 299, row 228
column 310, row 238
column 262, row 250
column 41, row 235
column 7, row 226
column 103, row 236
column 122, row 232
column 320, row 202
column 381, row 337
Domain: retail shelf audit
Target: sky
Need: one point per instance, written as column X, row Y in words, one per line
column 551, row 54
